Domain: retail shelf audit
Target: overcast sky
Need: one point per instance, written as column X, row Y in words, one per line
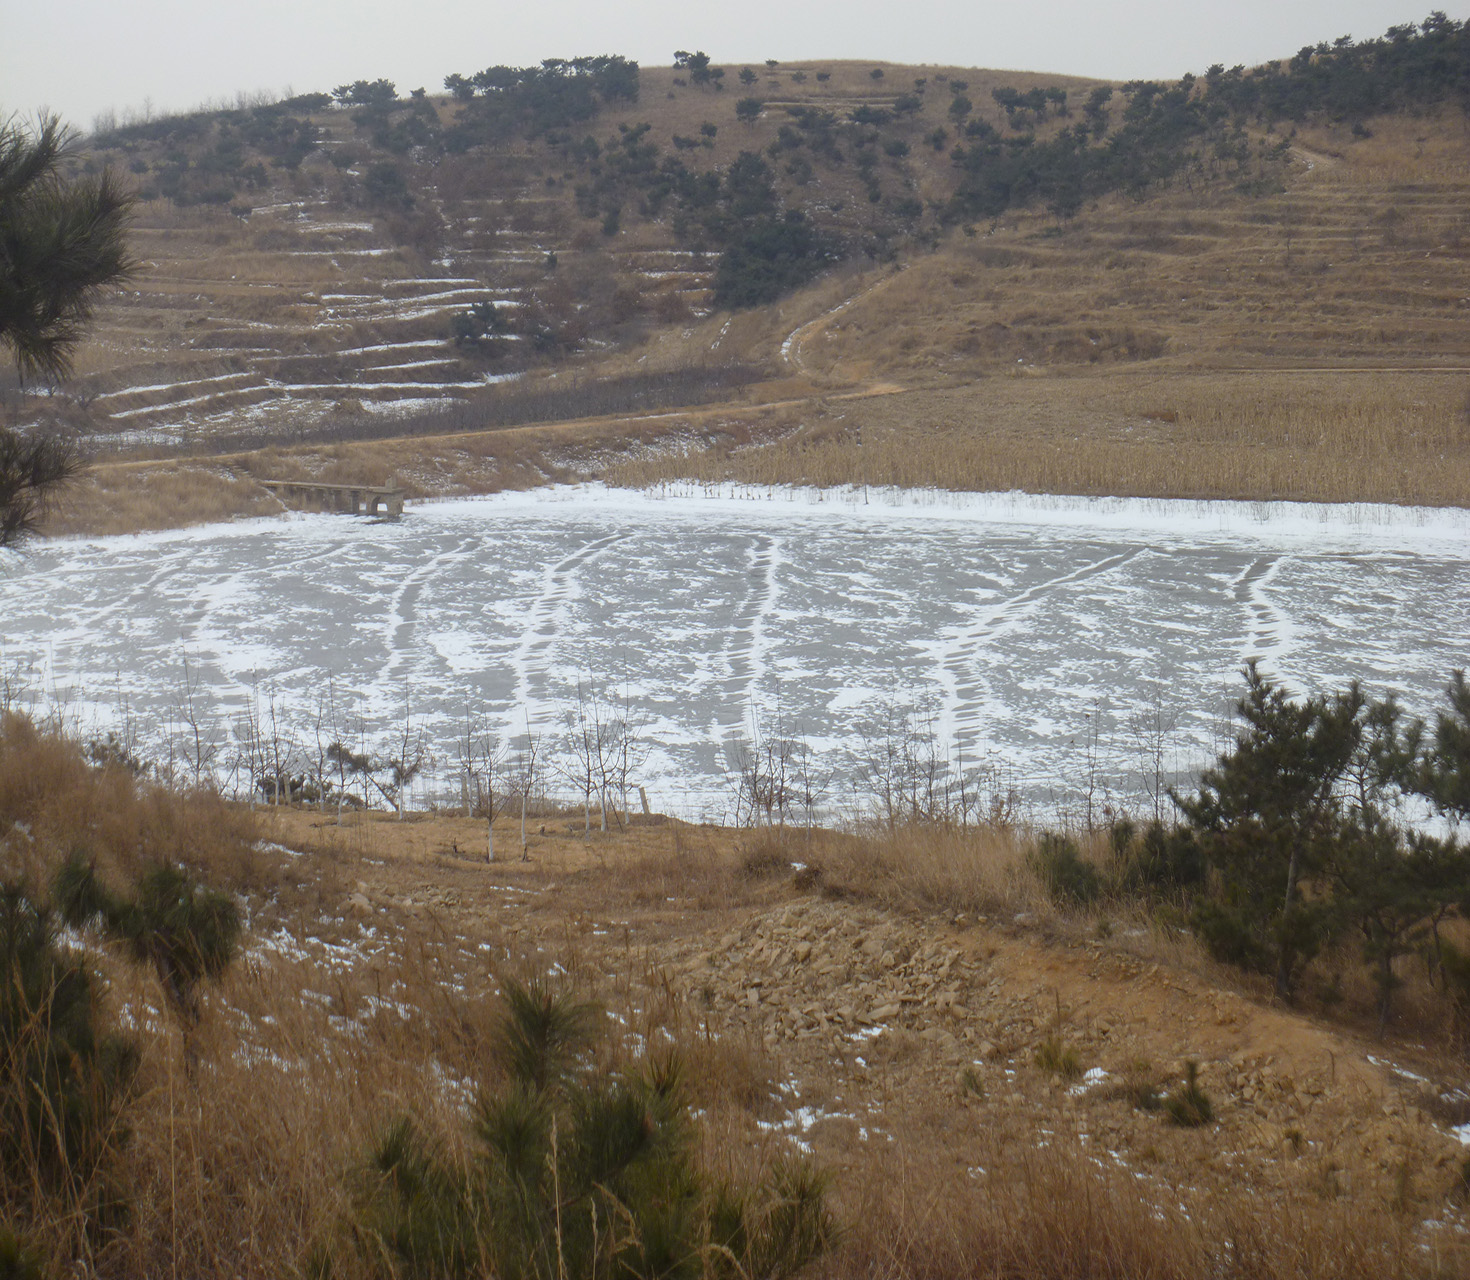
column 78, row 57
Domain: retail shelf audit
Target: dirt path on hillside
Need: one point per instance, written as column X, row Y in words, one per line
column 796, row 340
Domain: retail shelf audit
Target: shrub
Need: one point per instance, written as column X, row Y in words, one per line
column 1137, row 1086
column 1189, row 1106
column 1156, row 860
column 768, row 856
column 576, row 1172
column 63, row 1078
column 1066, row 876
column 542, row 1033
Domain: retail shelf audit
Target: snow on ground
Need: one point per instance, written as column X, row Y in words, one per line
column 1003, row 624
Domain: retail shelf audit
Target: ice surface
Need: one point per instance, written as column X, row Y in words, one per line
column 1004, row 625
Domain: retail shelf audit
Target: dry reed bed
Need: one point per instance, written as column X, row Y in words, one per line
column 132, row 497
column 1369, row 437
column 1366, row 437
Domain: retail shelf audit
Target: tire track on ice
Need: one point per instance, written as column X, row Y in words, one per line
column 401, row 618
column 542, row 629
column 961, row 682
column 1271, row 636
column 745, row 649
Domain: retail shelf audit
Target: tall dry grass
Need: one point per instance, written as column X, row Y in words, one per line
column 54, row 802
column 1364, row 438
column 1018, row 1211
column 245, row 1142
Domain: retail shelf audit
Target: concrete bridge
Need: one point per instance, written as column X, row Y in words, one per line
column 349, row 499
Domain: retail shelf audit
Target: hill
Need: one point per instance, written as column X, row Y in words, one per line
column 1147, row 272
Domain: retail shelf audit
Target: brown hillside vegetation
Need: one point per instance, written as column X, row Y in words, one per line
column 1303, row 337
column 974, row 1069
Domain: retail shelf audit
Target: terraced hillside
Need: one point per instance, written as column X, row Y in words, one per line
column 317, row 273
column 307, row 316
column 1356, row 262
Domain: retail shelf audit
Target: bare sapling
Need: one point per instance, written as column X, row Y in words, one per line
column 526, row 775
column 579, row 766
column 280, row 750
column 200, row 742
column 464, row 749
column 121, row 745
column 624, row 750
column 348, row 764
column 1094, row 795
column 482, row 758
column 15, row 686
column 811, row 787
column 596, row 743
column 411, row 758
column 324, row 732
column 1153, row 729
column 249, row 754
column 906, row 770
column 767, row 767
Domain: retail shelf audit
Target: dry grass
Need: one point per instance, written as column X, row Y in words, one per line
column 368, row 990
column 1376, row 438
column 114, row 500
column 980, row 871
column 62, row 804
column 1012, row 1211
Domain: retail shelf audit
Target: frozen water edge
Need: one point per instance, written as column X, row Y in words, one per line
column 1369, row 525
column 1335, row 526
column 1006, row 618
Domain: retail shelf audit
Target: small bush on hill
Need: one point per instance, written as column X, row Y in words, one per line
column 578, row 1172
column 1055, row 1057
column 1189, row 1106
column 1137, row 1086
column 1156, row 860
column 1065, row 874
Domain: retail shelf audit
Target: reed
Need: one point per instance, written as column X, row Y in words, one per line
column 1390, row 438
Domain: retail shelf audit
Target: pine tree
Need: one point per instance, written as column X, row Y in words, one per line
column 60, row 243
column 63, row 1077
column 577, row 1172
column 1445, row 775
column 1267, row 816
